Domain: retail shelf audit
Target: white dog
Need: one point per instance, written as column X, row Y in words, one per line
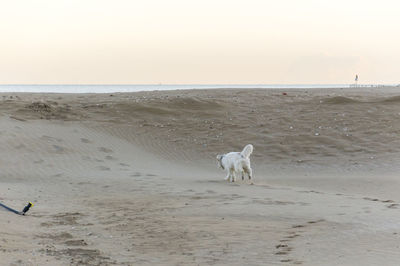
column 236, row 163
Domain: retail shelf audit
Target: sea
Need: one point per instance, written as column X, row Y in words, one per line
column 71, row 88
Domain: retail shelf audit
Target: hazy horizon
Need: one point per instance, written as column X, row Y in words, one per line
column 199, row 42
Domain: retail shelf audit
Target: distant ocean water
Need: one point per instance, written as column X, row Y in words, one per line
column 153, row 87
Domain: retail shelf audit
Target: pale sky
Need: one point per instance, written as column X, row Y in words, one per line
column 199, row 41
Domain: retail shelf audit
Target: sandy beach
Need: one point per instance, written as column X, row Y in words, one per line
column 131, row 178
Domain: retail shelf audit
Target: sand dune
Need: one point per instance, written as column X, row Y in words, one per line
column 131, row 178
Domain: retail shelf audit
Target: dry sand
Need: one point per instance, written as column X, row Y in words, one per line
column 131, row 178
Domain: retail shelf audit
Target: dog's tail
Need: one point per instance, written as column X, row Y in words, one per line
column 247, row 151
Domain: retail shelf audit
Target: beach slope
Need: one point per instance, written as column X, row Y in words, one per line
column 131, row 178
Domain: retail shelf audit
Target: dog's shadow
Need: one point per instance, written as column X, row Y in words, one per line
column 212, row 181
column 224, row 182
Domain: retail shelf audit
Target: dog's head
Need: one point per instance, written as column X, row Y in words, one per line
column 219, row 160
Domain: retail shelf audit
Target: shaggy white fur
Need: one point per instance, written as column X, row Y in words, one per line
column 236, row 163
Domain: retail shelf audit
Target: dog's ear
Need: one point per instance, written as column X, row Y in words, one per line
column 219, row 157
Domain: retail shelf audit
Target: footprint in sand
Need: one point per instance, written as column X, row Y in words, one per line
column 106, row 150
column 79, row 242
column 136, row 174
column 83, row 256
column 67, row 218
column 310, row 191
column 86, row 158
column 371, row 199
column 110, row 158
column 49, row 138
column 59, row 149
column 393, row 206
column 316, row 221
column 284, row 249
column 57, row 237
column 298, row 226
column 20, row 146
column 390, row 206
column 103, row 168
column 83, row 140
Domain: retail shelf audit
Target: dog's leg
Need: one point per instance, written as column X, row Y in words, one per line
column 249, row 172
column 227, row 175
column 241, row 171
column 232, row 175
